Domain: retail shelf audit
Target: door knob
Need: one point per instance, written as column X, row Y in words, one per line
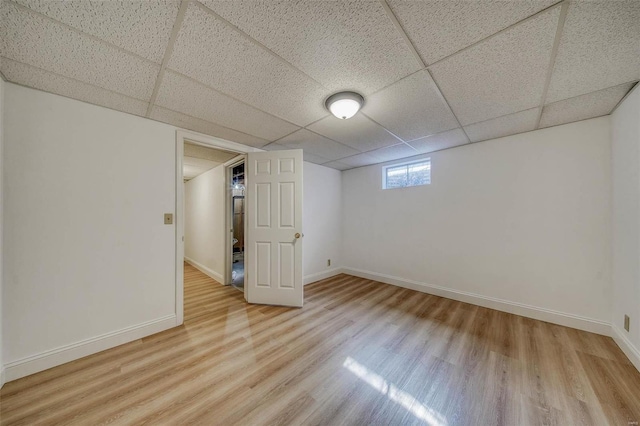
column 297, row 235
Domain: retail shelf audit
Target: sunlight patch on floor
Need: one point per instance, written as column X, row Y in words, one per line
column 404, row 399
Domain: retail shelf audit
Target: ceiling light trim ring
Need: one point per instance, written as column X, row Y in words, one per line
column 344, row 105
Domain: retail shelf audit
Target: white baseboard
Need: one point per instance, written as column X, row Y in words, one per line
column 209, row 272
column 45, row 360
column 312, row 278
column 625, row 344
column 542, row 314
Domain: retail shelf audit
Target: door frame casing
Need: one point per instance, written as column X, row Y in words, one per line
column 183, row 136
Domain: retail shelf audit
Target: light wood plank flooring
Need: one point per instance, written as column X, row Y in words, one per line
column 359, row 352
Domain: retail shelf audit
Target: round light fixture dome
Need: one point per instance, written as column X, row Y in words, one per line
column 344, row 104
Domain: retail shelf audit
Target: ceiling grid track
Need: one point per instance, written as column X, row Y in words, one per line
column 167, row 54
column 413, row 49
column 82, row 33
column 257, row 43
column 522, row 21
column 552, row 61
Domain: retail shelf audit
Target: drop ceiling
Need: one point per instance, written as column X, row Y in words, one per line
column 435, row 74
column 199, row 159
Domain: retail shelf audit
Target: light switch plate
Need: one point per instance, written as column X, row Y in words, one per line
column 168, row 218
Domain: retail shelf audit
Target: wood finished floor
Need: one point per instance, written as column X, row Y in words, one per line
column 359, row 352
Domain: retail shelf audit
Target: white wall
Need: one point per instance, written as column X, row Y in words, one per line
column 625, row 128
column 204, row 226
column 88, row 261
column 1, row 225
column 322, row 211
column 520, row 223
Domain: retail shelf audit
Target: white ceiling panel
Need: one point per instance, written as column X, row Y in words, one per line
column 342, row 44
column 358, row 160
column 312, row 158
column 582, row 107
column 317, row 145
column 34, row 40
column 511, row 124
column 337, row 165
column 189, row 97
column 200, row 162
column 380, row 155
column 411, row 108
column 358, row 132
column 599, row 48
column 49, row 82
column 213, row 53
column 307, row 156
column 501, row 75
column 439, row 141
column 202, row 126
column 206, row 153
column 141, row 27
column 440, row 28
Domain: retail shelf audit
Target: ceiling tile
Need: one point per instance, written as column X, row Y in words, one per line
column 501, row 75
column 582, row 107
column 211, row 52
column 140, row 27
column 381, row 155
column 443, row 140
column 315, row 144
column 208, row 153
column 185, row 95
column 34, row 77
column 337, row 165
column 307, row 156
column 358, row 160
column 440, row 28
column 411, row 108
column 313, row 158
column 274, row 147
column 200, row 162
column 358, row 132
column 202, row 126
column 342, row 44
column 511, row 124
column 34, row 40
column 599, row 48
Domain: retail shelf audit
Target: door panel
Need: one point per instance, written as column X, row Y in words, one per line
column 274, row 217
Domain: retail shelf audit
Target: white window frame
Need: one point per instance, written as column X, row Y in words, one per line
column 408, row 163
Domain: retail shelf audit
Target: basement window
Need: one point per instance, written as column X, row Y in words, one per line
column 407, row 174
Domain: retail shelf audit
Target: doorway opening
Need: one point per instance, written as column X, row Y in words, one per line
column 237, row 179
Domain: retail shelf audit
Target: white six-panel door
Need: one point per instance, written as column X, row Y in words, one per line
column 274, row 228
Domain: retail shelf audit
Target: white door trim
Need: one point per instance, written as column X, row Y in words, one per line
column 204, row 140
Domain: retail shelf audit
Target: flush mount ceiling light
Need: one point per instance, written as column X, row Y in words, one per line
column 344, row 104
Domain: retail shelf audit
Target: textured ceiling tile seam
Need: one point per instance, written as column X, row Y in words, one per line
column 395, row 82
column 87, row 102
column 257, row 43
column 82, row 33
column 411, row 46
column 69, row 78
column 377, row 149
column 217, row 124
column 403, row 33
column 594, row 91
column 322, row 136
column 177, row 24
column 240, row 100
column 552, row 61
column 501, row 116
column 387, row 130
column 522, row 21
